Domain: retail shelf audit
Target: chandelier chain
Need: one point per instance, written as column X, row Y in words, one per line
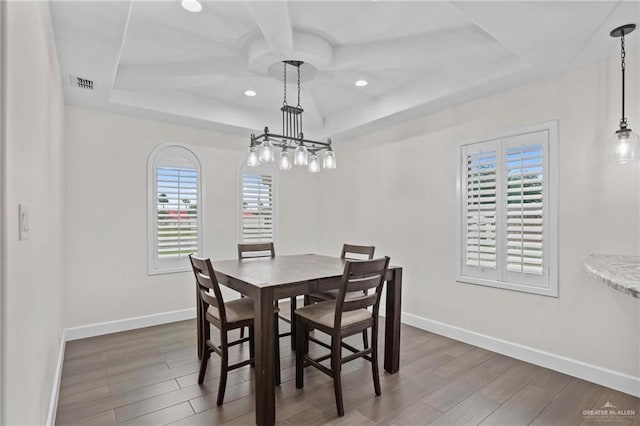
column 623, row 52
column 284, row 101
column 298, row 85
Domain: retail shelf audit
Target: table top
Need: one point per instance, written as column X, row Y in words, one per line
column 274, row 271
column 619, row 272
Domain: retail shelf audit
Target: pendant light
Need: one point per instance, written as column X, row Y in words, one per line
column 305, row 151
column 624, row 146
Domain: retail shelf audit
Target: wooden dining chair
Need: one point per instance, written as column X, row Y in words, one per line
column 253, row 250
column 225, row 316
column 341, row 318
column 352, row 252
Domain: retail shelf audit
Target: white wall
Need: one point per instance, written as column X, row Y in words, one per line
column 396, row 188
column 106, row 213
column 32, row 164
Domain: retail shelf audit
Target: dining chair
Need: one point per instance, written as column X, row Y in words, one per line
column 253, row 250
column 341, row 318
column 352, row 252
column 225, row 316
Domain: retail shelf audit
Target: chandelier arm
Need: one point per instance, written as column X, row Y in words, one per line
column 322, row 145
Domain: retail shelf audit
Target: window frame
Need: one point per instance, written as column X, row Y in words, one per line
column 260, row 169
column 156, row 266
column 550, row 212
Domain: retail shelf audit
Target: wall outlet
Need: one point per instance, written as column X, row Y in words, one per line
column 23, row 222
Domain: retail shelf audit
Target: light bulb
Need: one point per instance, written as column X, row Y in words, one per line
column 314, row 163
column 300, row 156
column 625, row 146
column 285, row 161
column 266, row 152
column 252, row 159
column 329, row 159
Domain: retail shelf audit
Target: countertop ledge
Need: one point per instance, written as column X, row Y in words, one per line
column 619, row 272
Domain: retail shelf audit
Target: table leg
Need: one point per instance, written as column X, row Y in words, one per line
column 294, row 305
column 392, row 323
column 264, row 357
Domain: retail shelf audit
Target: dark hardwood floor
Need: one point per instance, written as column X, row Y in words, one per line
column 149, row 377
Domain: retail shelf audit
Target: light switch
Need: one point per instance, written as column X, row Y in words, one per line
column 23, row 222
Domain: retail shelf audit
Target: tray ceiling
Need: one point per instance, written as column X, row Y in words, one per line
column 155, row 59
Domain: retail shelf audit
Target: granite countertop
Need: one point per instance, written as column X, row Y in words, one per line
column 619, row 272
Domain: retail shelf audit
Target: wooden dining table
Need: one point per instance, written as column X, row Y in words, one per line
column 265, row 280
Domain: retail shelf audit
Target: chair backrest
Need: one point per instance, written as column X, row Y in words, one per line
column 350, row 251
column 246, row 251
column 208, row 286
column 360, row 276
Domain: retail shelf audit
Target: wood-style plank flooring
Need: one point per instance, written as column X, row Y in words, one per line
column 149, row 377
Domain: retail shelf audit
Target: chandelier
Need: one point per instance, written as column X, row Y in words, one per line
column 305, row 151
column 625, row 144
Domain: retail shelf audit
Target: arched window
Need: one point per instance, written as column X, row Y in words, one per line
column 174, row 203
column 257, row 204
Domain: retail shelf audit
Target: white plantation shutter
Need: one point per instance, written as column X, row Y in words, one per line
column 175, row 208
column 505, row 215
column 524, row 210
column 257, row 207
column 481, row 198
column 177, row 221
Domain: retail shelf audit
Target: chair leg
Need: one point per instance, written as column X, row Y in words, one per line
column 224, row 366
column 336, row 367
column 365, row 339
column 374, row 361
column 277, row 348
column 203, row 364
column 252, row 345
column 242, row 329
column 301, row 335
column 293, row 305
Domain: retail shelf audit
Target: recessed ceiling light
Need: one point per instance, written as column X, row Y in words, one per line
column 361, row 83
column 191, row 5
column 250, row 93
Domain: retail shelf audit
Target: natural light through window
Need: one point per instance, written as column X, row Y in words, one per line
column 175, row 213
column 507, row 211
column 257, row 206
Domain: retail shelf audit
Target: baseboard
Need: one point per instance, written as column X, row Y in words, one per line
column 55, row 391
column 98, row 329
column 592, row 373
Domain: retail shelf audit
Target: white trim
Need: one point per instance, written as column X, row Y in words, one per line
column 101, row 328
column 55, row 391
column 551, row 159
column 603, row 376
column 154, row 267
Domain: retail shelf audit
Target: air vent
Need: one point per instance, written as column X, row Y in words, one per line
column 81, row 83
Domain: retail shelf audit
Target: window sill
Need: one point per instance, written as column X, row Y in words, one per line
column 542, row 291
column 168, row 270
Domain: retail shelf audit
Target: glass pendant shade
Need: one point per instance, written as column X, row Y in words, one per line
column 266, row 152
column 329, row 160
column 252, row 159
column 314, row 163
column 624, row 146
column 300, row 156
column 285, row 161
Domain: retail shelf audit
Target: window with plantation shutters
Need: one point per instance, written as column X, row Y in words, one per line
column 257, row 206
column 507, row 213
column 175, row 222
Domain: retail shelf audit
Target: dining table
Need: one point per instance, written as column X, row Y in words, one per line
column 269, row 279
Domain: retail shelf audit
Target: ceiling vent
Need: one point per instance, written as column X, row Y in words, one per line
column 81, row 83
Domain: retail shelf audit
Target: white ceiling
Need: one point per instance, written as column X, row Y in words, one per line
column 153, row 58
